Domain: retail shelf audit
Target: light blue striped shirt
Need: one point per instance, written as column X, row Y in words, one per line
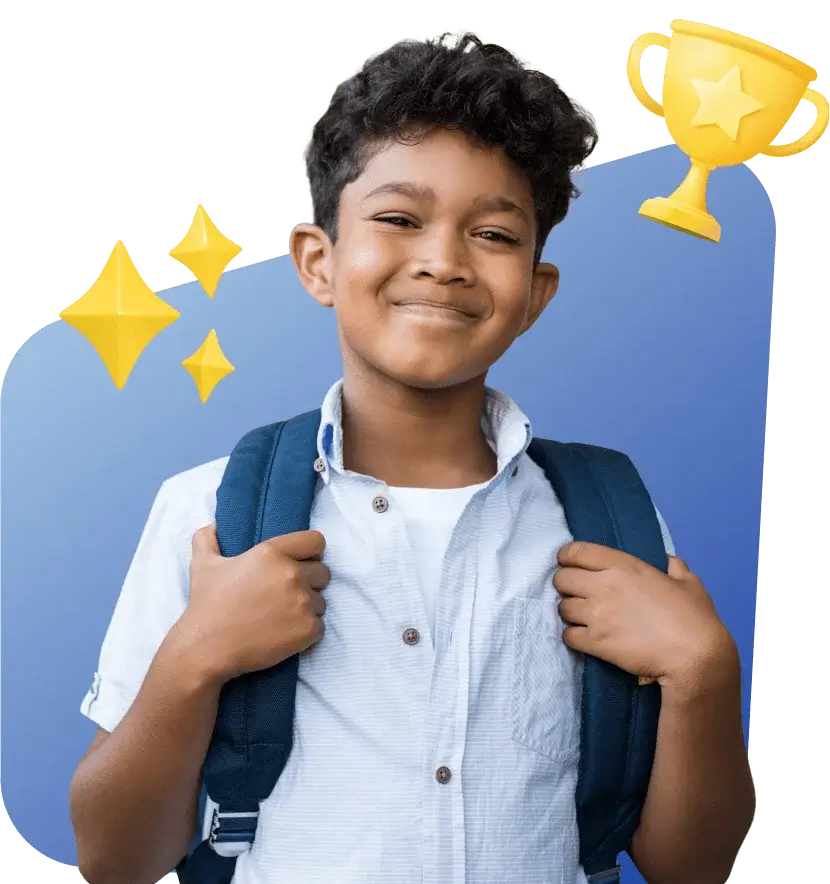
column 446, row 760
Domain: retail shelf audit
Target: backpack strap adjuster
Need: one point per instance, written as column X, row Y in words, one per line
column 232, row 834
column 609, row 876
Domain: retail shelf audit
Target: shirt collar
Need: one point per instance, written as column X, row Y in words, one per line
column 506, row 428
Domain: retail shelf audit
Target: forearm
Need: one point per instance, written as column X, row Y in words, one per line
column 701, row 798
column 134, row 798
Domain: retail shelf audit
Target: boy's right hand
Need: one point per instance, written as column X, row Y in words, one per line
column 252, row 611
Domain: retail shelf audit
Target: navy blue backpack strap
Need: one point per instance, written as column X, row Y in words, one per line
column 606, row 502
column 267, row 490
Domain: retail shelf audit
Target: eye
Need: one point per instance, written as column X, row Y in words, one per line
column 498, row 236
column 396, row 220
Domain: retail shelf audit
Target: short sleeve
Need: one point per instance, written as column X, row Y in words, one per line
column 664, row 530
column 153, row 597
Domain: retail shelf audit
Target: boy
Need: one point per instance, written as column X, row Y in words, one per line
column 437, row 715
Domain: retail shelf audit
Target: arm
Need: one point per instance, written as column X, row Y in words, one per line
column 202, row 619
column 665, row 628
column 701, row 799
column 148, row 703
column 134, row 796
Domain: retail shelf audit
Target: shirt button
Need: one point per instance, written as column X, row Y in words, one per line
column 515, row 471
column 443, row 775
column 411, row 636
column 319, row 465
column 380, row 504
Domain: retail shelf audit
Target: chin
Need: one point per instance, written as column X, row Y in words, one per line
column 429, row 377
column 418, row 366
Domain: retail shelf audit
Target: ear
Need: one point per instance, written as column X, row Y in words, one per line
column 310, row 250
column 543, row 287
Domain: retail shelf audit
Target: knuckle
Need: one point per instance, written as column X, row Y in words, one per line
column 269, row 553
column 200, row 535
column 625, row 573
column 575, row 549
column 306, row 605
column 290, row 572
column 315, row 629
column 612, row 580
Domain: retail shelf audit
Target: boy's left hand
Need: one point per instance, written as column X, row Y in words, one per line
column 661, row 627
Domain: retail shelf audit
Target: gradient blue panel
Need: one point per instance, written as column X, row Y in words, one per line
column 657, row 344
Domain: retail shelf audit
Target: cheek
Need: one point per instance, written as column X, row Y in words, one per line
column 367, row 265
column 355, row 291
column 510, row 305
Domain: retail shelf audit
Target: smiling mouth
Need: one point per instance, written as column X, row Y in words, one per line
column 437, row 309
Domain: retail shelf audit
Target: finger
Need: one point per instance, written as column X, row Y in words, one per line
column 590, row 556
column 318, row 603
column 205, row 542
column 300, row 545
column 316, row 574
column 574, row 611
column 577, row 639
column 574, row 581
column 678, row 568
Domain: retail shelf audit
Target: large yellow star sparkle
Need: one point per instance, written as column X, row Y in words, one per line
column 724, row 103
column 205, row 251
column 119, row 315
column 208, row 365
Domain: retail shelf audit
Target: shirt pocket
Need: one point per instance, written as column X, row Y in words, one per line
column 547, row 683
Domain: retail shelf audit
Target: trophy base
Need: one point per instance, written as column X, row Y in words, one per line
column 680, row 216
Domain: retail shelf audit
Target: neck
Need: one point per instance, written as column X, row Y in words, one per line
column 410, row 437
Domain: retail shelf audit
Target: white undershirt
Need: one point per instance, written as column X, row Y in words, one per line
column 431, row 515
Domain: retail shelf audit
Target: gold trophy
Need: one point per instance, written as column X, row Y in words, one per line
column 726, row 98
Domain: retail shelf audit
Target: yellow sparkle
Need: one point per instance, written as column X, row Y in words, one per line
column 205, row 251
column 208, row 365
column 724, row 103
column 119, row 315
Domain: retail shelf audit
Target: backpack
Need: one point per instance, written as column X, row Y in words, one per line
column 268, row 489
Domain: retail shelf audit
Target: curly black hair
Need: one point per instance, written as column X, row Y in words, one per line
column 481, row 89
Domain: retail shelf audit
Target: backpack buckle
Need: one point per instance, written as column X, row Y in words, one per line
column 609, row 876
column 232, row 834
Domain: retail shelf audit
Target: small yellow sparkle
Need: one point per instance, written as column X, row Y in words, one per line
column 119, row 315
column 208, row 365
column 205, row 251
column 724, row 103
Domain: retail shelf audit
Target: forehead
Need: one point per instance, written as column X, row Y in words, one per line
column 444, row 166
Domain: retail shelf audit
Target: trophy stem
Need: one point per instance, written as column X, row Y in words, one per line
column 686, row 208
column 692, row 192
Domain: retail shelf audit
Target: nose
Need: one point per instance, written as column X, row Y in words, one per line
column 442, row 257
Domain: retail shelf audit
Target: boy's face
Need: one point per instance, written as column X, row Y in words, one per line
column 432, row 273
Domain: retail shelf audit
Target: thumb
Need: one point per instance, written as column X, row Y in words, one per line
column 205, row 541
column 678, row 568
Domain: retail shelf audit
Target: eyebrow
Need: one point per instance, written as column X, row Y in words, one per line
column 416, row 191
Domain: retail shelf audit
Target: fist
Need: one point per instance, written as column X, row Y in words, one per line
column 660, row 627
column 250, row 612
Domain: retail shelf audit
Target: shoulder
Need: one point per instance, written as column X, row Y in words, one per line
column 187, row 500
column 605, row 460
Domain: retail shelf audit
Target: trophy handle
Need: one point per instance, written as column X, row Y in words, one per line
column 635, row 78
column 816, row 131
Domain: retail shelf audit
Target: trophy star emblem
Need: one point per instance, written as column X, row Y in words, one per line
column 724, row 103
